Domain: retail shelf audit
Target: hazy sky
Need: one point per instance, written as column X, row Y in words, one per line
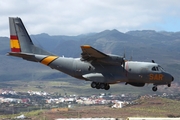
column 74, row 17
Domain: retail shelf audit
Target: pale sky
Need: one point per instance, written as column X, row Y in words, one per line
column 74, row 17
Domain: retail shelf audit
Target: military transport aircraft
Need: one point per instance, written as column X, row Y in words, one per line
column 99, row 68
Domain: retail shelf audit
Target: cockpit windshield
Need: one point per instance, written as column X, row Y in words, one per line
column 160, row 68
column 157, row 68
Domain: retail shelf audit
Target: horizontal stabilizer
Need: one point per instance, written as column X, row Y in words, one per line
column 26, row 56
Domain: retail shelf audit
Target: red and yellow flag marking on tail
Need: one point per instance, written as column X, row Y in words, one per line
column 14, row 44
column 47, row 60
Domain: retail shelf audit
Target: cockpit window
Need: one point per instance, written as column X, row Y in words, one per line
column 157, row 68
column 160, row 68
column 154, row 69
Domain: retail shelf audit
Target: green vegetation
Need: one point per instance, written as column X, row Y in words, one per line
column 72, row 86
column 155, row 107
column 36, row 113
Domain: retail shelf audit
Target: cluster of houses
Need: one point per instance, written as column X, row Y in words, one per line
column 40, row 93
column 116, row 101
column 30, row 97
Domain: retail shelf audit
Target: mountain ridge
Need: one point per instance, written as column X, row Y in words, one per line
column 142, row 45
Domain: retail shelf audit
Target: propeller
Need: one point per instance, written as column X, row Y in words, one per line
column 123, row 62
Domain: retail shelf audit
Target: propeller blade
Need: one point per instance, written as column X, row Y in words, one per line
column 124, row 59
column 123, row 63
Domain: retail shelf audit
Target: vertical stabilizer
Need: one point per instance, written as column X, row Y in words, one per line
column 19, row 38
column 20, row 41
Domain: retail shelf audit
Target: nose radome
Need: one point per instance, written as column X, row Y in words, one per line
column 172, row 78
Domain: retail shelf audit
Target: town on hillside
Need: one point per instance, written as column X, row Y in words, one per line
column 13, row 102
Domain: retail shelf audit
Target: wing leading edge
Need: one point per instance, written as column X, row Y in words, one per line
column 90, row 53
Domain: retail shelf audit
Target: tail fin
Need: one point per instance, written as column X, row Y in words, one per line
column 20, row 41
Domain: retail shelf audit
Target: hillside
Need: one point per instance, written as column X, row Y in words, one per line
column 144, row 107
column 145, row 45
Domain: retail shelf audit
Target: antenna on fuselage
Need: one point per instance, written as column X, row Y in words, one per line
column 153, row 61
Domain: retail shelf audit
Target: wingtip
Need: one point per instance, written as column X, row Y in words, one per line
column 85, row 46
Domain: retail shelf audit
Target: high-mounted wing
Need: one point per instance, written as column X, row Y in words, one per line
column 90, row 53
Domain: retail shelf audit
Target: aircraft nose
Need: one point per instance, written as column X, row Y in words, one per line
column 172, row 78
column 169, row 77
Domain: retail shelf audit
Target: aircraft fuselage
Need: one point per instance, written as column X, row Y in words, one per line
column 133, row 72
column 100, row 68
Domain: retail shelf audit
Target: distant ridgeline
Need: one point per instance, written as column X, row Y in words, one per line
column 145, row 45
